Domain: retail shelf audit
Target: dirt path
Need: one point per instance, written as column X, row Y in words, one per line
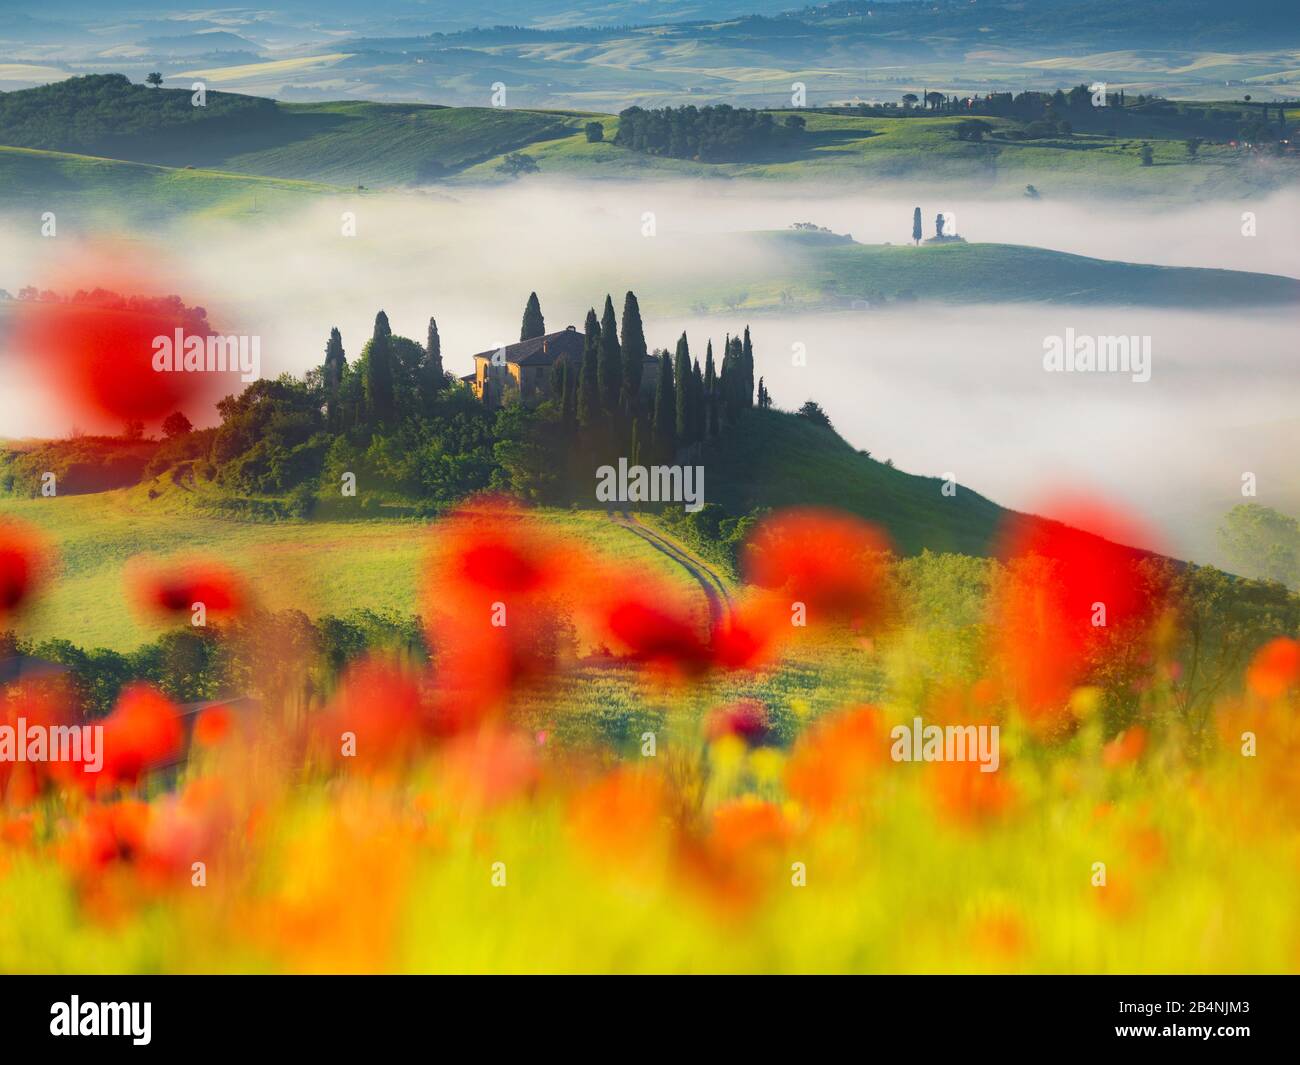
column 714, row 588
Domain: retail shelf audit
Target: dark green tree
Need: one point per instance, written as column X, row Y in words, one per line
column 747, row 365
column 433, row 356
column 380, row 401
column 588, row 407
column 698, row 413
column 534, row 325
column 710, row 393
column 634, row 351
column 336, row 365
column 611, row 361
column 665, row 418
column 682, row 378
column 916, row 226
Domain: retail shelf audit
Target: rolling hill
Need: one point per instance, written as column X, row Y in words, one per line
column 381, row 145
column 827, row 270
column 775, row 459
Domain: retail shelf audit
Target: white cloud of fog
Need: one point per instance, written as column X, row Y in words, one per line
column 934, row 388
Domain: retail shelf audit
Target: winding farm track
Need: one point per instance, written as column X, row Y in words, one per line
column 714, row 588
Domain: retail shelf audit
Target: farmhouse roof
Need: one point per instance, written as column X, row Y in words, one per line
column 541, row 351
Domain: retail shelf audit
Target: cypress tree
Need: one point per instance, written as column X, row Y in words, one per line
column 534, row 325
column 682, row 377
column 611, row 361
column 379, row 372
column 747, row 361
column 697, row 404
column 336, row 365
column 432, row 378
column 588, row 386
column 916, row 225
column 665, row 407
column 711, row 394
column 634, row 351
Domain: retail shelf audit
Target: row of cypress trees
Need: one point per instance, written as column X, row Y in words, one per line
column 604, row 396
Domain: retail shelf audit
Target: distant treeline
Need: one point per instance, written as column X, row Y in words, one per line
column 709, row 134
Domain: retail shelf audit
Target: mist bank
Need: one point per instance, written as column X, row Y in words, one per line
column 935, row 388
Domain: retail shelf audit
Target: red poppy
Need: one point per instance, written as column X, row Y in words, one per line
column 22, row 555
column 176, row 589
column 93, row 335
column 1275, row 668
column 647, row 633
column 142, row 732
column 746, row 719
column 1066, row 594
column 384, row 709
column 833, row 563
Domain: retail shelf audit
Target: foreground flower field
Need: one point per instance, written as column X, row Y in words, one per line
column 454, row 813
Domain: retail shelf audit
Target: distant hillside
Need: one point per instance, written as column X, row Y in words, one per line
column 793, row 272
column 383, row 145
column 996, row 273
column 345, row 143
column 775, row 459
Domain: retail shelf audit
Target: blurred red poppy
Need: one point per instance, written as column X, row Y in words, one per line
column 384, row 710
column 22, row 559
column 1066, row 594
column 1275, row 668
column 746, row 719
column 176, row 589
column 833, row 563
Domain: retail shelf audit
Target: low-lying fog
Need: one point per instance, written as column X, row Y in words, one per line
column 934, row 388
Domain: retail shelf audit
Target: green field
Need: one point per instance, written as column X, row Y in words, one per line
column 321, row 567
column 83, row 189
column 844, row 149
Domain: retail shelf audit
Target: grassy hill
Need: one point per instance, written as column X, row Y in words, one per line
column 821, row 270
column 344, row 143
column 776, row 459
column 81, row 188
column 843, row 148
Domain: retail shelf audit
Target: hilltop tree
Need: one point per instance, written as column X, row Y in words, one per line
column 155, row 79
column 534, row 325
column 176, row 424
column 380, row 398
column 336, row 365
column 634, row 351
column 611, row 360
column 938, row 225
column 916, row 226
column 665, row 418
column 588, row 383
